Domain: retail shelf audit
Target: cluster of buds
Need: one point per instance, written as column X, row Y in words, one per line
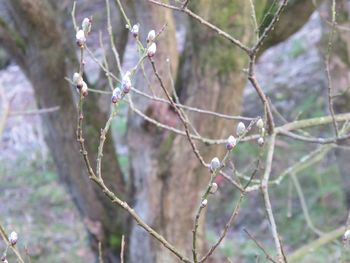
column 152, row 46
column 80, row 84
column 260, row 125
column 82, row 33
column 231, row 142
column 240, row 130
column 13, row 237
column 214, row 164
column 119, row 93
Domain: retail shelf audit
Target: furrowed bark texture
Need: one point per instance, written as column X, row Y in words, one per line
column 45, row 51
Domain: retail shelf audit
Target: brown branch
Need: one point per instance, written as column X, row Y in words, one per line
column 206, row 23
column 263, row 98
column 181, row 115
column 114, row 198
column 270, row 27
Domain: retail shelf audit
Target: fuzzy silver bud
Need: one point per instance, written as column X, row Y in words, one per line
column 135, row 30
column 80, row 38
column 77, row 80
column 151, row 36
column 84, row 89
column 152, row 50
column 86, row 25
column 260, row 123
column 214, row 188
column 126, row 83
column 204, row 203
column 261, row 141
column 214, row 164
column 117, row 95
column 231, row 142
column 240, row 129
column 13, row 237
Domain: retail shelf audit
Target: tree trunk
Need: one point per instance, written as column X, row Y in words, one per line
column 41, row 46
column 168, row 178
column 145, row 140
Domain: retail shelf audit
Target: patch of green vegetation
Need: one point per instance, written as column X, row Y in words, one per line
column 115, row 241
column 297, row 49
column 311, row 107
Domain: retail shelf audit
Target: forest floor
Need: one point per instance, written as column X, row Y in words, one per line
column 36, row 205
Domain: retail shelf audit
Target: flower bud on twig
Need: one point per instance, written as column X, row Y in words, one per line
column 135, row 30
column 3, row 257
column 86, row 25
column 80, row 38
column 214, row 164
column 77, row 80
column 151, row 36
column 126, row 83
column 214, row 188
column 261, row 141
column 152, row 50
column 117, row 95
column 231, row 142
column 346, row 236
column 204, row 203
column 240, row 129
column 13, row 237
column 260, row 124
column 84, row 89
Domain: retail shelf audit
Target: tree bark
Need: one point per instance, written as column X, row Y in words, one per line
column 168, row 177
column 37, row 40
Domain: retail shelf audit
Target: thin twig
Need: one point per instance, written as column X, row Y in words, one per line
column 33, row 112
column 206, row 23
column 100, row 254
column 304, row 205
column 224, row 232
column 268, row 257
column 181, row 115
column 268, row 207
column 14, row 248
column 329, row 78
column 110, row 32
column 122, row 250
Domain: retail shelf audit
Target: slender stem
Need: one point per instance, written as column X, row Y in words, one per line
column 265, row 191
column 260, row 246
column 206, row 23
column 224, row 232
column 329, row 77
